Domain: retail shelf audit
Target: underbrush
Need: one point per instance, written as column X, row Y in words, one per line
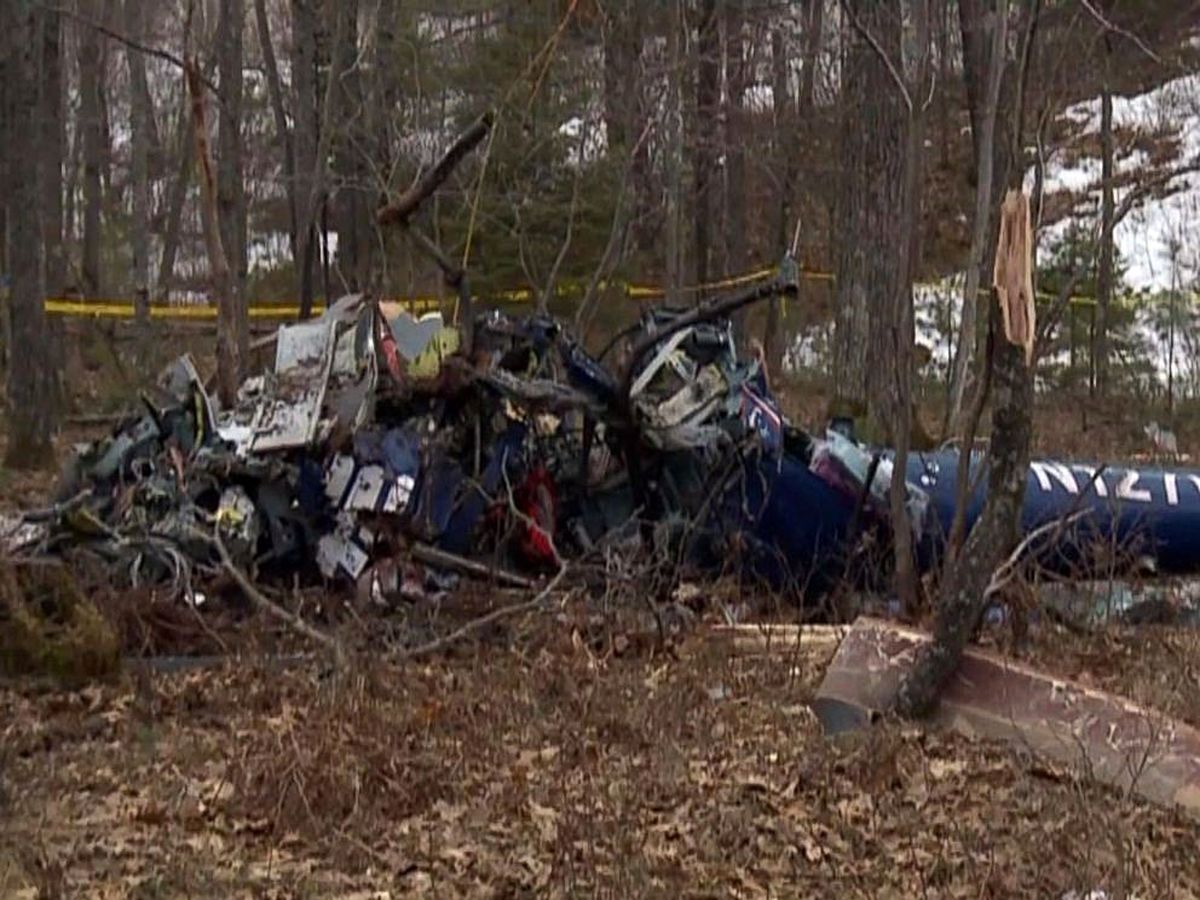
column 49, row 627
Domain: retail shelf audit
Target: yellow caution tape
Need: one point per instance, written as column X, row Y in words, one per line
column 125, row 309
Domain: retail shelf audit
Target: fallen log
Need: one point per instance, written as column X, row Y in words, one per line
column 754, row 640
column 1115, row 740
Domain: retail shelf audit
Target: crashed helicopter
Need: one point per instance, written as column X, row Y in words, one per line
column 377, row 435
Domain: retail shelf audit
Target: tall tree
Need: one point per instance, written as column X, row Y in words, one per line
column 231, row 187
column 964, row 593
column 30, row 386
column 1104, row 271
column 734, row 138
column 51, row 158
column 92, row 128
column 141, row 126
column 304, row 111
column 872, row 257
column 983, row 105
column 783, row 139
column 705, row 133
column 674, row 143
column 230, row 342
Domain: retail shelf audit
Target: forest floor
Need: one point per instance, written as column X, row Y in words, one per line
column 529, row 765
column 533, row 763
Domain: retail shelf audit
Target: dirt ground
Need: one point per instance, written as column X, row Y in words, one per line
column 537, row 767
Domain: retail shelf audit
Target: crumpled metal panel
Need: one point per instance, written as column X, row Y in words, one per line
column 1113, row 739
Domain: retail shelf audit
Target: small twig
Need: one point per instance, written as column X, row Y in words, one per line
column 263, row 602
column 1124, row 32
column 1004, row 573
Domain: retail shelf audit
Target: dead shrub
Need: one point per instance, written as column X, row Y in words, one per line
column 353, row 753
column 49, row 627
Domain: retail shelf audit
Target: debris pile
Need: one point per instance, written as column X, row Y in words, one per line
column 394, row 453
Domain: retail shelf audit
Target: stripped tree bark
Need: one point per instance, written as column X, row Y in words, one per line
column 1012, row 335
column 963, row 592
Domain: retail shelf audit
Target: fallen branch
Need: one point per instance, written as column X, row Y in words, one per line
column 441, row 559
column 266, row 604
column 495, row 615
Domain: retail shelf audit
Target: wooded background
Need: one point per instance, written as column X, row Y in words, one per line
column 675, row 142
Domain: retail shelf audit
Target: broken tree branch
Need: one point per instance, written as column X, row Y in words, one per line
column 441, row 559
column 398, row 212
column 264, row 603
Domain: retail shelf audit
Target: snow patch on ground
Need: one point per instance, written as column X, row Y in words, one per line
column 1146, row 237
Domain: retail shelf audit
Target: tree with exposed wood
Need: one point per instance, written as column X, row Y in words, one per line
column 968, row 579
column 231, row 326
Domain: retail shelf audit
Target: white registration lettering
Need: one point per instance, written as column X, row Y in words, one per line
column 1097, row 483
column 1195, row 480
column 1172, row 488
column 1126, row 490
column 1044, row 471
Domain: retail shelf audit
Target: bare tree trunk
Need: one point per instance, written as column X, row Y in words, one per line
column 674, row 151
column 784, row 136
column 229, row 361
column 231, row 187
column 353, row 213
column 141, row 124
column 1104, row 274
column 283, row 131
column 984, row 167
column 870, row 271
column 304, row 84
column 51, row 158
column 964, row 592
column 735, row 144
column 30, row 386
column 963, row 596
column 177, row 197
column 91, row 127
column 708, row 95
column 902, row 411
